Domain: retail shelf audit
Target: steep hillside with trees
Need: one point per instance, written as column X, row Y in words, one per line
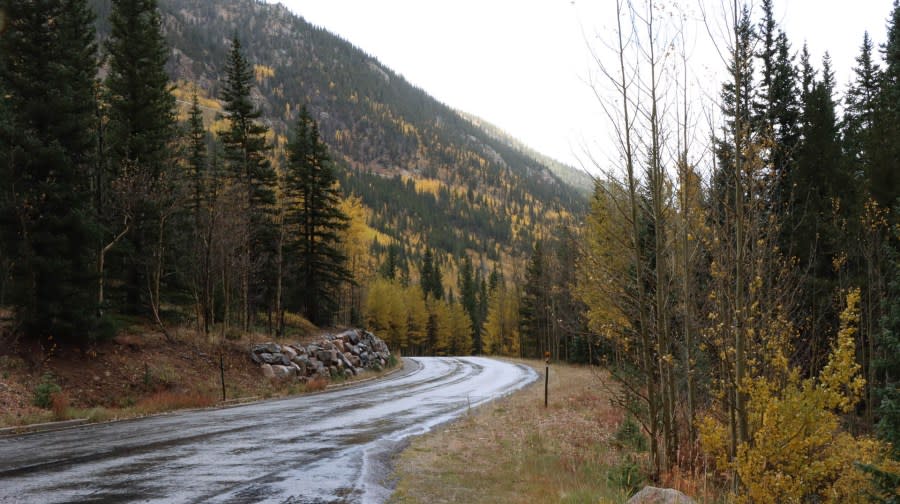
column 428, row 175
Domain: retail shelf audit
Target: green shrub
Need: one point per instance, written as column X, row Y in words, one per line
column 107, row 328
column 626, row 475
column 43, row 393
column 629, row 435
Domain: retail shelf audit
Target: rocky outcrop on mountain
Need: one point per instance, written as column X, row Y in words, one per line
column 335, row 355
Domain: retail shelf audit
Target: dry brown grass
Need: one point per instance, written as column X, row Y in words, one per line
column 516, row 451
column 316, row 384
column 167, row 401
column 59, row 404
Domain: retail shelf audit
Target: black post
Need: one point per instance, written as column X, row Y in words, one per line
column 546, row 376
column 222, row 370
column 546, row 383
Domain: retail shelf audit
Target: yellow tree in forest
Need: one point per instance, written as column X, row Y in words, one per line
column 501, row 329
column 460, row 330
column 386, row 312
column 799, row 451
column 416, row 318
column 355, row 241
column 439, row 327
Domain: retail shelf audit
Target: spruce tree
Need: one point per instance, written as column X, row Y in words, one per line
column 821, row 208
column 533, row 317
column 310, row 182
column 468, row 289
column 141, row 128
column 254, row 180
column 883, row 177
column 861, row 105
column 201, row 208
column 49, row 77
column 776, row 109
column 427, row 274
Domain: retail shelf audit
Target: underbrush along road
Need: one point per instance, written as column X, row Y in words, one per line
column 329, row 447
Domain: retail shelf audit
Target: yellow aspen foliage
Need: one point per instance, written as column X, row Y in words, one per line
column 501, row 328
column 386, row 313
column 416, row 315
column 439, row 330
column 356, row 238
column 799, row 452
column 377, row 307
column 263, row 73
column 460, row 331
column 840, row 377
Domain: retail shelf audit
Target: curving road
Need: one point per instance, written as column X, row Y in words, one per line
column 330, row 447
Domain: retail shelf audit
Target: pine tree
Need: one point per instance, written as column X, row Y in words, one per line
column 197, row 139
column 311, row 183
column 860, row 108
column 141, row 105
column 201, row 208
column 468, row 289
column 883, row 178
column 822, row 205
column 141, row 128
column 426, row 274
column 254, row 179
column 533, row 317
column 776, row 107
column 49, row 76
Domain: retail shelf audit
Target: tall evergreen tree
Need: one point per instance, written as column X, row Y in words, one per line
column 861, row 105
column 49, row 76
column 201, row 218
column 141, row 105
column 883, row 176
column 736, row 105
column 254, row 178
column 534, row 321
column 823, row 199
column 311, row 183
column 141, row 128
column 430, row 276
column 776, row 109
column 468, row 290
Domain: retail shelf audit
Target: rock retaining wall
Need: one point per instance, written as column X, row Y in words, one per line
column 335, row 355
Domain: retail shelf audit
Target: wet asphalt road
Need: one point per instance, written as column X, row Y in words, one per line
column 330, row 447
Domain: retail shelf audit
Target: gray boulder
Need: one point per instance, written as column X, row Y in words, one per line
column 283, row 371
column 267, row 371
column 653, row 495
column 267, row 348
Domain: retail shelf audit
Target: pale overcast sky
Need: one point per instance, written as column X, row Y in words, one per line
column 522, row 64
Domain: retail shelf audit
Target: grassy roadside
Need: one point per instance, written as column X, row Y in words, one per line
column 514, row 450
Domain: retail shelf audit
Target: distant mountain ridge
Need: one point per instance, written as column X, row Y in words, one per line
column 574, row 177
column 430, row 176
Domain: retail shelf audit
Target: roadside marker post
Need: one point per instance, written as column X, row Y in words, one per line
column 546, row 376
column 222, row 370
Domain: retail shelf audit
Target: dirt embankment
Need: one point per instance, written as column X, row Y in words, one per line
column 140, row 371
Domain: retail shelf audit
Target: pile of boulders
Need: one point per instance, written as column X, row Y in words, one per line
column 334, row 355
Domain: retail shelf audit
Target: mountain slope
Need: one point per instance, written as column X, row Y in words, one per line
column 427, row 175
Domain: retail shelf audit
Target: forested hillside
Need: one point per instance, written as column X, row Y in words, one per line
column 238, row 167
column 450, row 185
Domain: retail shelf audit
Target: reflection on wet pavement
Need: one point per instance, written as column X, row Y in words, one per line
column 325, row 448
